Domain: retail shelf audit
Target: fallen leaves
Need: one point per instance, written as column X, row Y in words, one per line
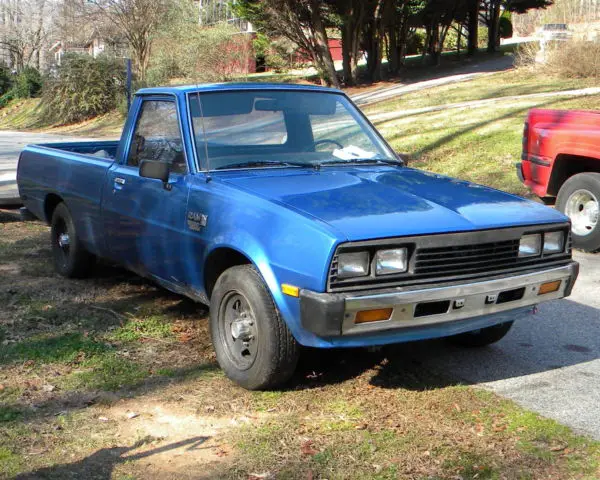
column 308, row 449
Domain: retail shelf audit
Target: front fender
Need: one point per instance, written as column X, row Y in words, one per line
column 278, row 265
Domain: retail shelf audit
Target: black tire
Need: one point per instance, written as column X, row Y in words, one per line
column 481, row 337
column 272, row 352
column 71, row 259
column 589, row 182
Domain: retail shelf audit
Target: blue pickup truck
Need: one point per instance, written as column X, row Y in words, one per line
column 284, row 209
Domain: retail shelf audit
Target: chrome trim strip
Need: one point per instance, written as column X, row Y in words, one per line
column 473, row 296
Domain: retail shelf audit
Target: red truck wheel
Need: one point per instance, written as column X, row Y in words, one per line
column 578, row 199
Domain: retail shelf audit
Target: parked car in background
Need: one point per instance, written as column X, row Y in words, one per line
column 554, row 32
column 284, row 209
column 561, row 165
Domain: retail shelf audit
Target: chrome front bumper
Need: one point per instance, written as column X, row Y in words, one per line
column 335, row 314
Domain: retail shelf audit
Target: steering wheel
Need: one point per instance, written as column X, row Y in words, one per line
column 325, row 140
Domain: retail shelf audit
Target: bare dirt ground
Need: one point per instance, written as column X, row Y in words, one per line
column 113, row 377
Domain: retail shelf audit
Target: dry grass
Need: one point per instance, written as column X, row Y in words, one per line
column 574, row 59
column 113, row 377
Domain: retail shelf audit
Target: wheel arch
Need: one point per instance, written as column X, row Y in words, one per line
column 218, row 260
column 567, row 165
column 50, row 203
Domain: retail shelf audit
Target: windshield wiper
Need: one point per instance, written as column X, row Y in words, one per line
column 268, row 163
column 349, row 161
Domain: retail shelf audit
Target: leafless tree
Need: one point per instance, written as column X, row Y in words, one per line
column 25, row 27
column 137, row 21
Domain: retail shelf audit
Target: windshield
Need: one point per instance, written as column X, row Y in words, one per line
column 270, row 128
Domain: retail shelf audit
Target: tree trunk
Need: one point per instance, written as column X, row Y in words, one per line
column 473, row 24
column 347, row 53
column 402, row 36
column 394, row 51
column 352, row 15
column 493, row 28
column 322, row 45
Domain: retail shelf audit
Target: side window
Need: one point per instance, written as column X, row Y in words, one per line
column 157, row 136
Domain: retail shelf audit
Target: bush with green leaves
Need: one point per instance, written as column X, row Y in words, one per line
column 83, row 87
column 6, row 80
column 26, row 84
column 415, row 42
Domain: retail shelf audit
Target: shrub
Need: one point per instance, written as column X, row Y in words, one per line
column 526, row 53
column 6, row 79
column 28, row 83
column 415, row 42
column 83, row 87
column 572, row 59
column 189, row 53
column 505, row 26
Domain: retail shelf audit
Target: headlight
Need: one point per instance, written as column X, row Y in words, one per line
column 554, row 242
column 354, row 264
column 391, row 261
column 531, row 245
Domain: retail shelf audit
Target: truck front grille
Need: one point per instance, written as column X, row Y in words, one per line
column 450, row 257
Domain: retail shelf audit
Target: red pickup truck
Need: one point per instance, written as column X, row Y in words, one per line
column 561, row 165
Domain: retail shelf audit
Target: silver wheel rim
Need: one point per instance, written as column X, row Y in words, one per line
column 238, row 330
column 582, row 209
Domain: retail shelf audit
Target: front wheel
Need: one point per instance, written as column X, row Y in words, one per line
column 483, row 336
column 578, row 199
column 253, row 345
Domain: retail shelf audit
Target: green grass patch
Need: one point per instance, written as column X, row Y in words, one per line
column 110, row 372
column 10, row 463
column 540, row 437
column 154, row 326
column 52, row 348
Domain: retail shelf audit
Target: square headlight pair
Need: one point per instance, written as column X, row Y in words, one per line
column 387, row 262
column 531, row 245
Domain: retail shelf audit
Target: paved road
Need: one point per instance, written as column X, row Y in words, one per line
column 549, row 363
column 11, row 144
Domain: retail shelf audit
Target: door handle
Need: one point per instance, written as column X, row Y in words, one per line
column 118, row 184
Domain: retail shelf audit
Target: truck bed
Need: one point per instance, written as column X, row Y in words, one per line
column 76, row 170
column 101, row 149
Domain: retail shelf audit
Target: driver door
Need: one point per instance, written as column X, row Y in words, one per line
column 144, row 221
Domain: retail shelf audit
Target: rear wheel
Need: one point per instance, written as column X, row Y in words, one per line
column 483, row 336
column 578, row 199
column 71, row 259
column 253, row 345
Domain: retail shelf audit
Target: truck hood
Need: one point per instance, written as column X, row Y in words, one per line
column 377, row 202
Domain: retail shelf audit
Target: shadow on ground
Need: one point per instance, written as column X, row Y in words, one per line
column 100, row 465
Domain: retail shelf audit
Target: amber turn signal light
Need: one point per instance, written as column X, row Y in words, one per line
column 549, row 287
column 290, row 290
column 373, row 315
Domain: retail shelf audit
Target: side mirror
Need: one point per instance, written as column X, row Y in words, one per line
column 157, row 170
